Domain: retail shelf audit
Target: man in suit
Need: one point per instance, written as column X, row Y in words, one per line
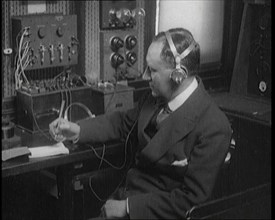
column 179, row 151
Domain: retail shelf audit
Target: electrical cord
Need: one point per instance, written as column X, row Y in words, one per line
column 80, row 105
column 23, row 56
column 21, row 61
column 102, row 159
column 93, row 191
column 102, row 156
column 125, row 152
column 90, row 178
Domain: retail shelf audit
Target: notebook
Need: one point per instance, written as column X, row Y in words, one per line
column 45, row 151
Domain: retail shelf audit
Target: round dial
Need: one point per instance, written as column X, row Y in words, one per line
column 59, row 32
column 116, row 43
column 41, row 32
column 116, row 60
column 131, row 42
column 131, row 58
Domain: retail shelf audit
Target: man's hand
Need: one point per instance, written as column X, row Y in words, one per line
column 61, row 129
column 115, row 208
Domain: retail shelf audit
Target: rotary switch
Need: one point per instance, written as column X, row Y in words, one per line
column 131, row 42
column 116, row 60
column 131, row 58
column 59, row 32
column 41, row 32
column 116, row 43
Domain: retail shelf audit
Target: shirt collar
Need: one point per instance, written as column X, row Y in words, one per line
column 183, row 96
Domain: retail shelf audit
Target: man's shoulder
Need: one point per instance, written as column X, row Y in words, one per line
column 212, row 113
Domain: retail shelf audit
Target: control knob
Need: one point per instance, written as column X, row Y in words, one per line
column 41, row 32
column 59, row 32
column 116, row 60
column 116, row 43
column 131, row 42
column 131, row 58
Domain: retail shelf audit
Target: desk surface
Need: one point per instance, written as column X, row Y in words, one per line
column 252, row 108
column 77, row 153
column 249, row 107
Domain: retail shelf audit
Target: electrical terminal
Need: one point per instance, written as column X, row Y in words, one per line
column 26, row 31
column 107, row 85
column 7, row 51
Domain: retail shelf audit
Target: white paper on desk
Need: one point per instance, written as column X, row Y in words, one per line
column 45, row 151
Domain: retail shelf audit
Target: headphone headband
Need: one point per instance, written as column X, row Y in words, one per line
column 178, row 57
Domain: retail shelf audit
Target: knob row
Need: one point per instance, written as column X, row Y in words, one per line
column 116, row 42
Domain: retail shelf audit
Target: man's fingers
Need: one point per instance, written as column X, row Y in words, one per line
column 64, row 125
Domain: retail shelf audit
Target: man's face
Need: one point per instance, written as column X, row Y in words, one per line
column 157, row 73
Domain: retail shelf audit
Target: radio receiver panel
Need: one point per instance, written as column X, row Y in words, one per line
column 119, row 55
column 43, row 41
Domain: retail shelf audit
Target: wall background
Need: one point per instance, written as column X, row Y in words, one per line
column 203, row 18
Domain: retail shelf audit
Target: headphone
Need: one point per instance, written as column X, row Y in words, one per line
column 181, row 72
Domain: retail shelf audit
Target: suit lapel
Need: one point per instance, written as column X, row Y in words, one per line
column 148, row 110
column 175, row 127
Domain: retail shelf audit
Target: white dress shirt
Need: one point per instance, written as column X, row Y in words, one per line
column 183, row 96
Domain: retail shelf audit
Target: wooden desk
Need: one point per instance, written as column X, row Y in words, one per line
column 64, row 164
column 15, row 167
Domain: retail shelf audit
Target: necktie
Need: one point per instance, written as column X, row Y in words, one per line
column 163, row 115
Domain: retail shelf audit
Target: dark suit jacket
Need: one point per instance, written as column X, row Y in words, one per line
column 177, row 168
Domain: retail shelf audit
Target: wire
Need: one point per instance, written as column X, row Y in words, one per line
column 90, row 182
column 90, row 185
column 123, row 165
column 84, row 83
column 101, row 158
column 21, row 60
column 19, row 55
column 103, row 153
column 125, row 151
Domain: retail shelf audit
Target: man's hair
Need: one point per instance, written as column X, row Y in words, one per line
column 182, row 38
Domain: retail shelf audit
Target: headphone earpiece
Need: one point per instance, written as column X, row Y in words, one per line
column 180, row 73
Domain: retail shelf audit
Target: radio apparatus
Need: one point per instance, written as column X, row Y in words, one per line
column 46, row 45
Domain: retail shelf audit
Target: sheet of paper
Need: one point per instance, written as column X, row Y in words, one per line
column 14, row 152
column 45, row 151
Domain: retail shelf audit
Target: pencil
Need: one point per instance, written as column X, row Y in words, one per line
column 61, row 109
column 60, row 114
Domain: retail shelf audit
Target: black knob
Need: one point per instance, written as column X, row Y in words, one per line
column 116, row 60
column 131, row 42
column 116, row 43
column 131, row 58
column 41, row 32
column 59, row 32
